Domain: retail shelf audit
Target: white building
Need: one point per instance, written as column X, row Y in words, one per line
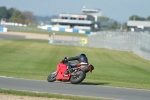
column 136, row 25
column 86, row 21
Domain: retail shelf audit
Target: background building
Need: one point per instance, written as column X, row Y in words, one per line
column 138, row 25
column 85, row 21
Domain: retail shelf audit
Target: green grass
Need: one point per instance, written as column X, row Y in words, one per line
column 37, row 59
column 47, row 95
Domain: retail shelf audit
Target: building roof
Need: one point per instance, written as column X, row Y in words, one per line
column 139, row 23
column 94, row 10
column 73, row 15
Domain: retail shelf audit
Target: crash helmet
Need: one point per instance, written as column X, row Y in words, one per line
column 83, row 58
column 82, row 54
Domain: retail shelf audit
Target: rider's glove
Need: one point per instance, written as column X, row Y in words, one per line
column 64, row 60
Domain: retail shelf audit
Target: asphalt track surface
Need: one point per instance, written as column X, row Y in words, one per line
column 72, row 89
column 88, row 90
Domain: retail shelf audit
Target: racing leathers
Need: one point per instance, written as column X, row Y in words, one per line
column 80, row 58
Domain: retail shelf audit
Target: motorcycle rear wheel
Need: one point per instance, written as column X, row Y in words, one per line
column 78, row 78
column 51, row 77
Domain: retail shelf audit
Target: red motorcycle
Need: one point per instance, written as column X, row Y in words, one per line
column 76, row 76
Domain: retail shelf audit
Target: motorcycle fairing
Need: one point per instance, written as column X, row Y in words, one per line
column 61, row 69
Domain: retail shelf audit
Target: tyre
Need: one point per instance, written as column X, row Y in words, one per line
column 78, row 78
column 52, row 77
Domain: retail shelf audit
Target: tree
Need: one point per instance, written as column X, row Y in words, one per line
column 108, row 23
column 103, row 21
column 10, row 12
column 124, row 26
column 17, row 17
column 148, row 18
column 3, row 12
column 103, row 18
column 113, row 25
column 137, row 18
column 30, row 18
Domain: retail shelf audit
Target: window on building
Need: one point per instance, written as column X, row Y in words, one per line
column 81, row 19
column 64, row 17
column 73, row 18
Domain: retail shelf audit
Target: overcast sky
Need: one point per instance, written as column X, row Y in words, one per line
column 119, row 10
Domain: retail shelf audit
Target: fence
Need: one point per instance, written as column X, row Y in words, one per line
column 143, row 49
column 114, row 40
column 68, row 40
column 137, row 42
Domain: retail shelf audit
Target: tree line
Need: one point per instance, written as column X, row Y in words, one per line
column 112, row 24
column 17, row 16
column 28, row 18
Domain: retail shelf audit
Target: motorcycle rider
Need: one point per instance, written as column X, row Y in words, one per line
column 80, row 58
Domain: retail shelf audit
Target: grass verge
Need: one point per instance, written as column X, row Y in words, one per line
column 37, row 59
column 47, row 95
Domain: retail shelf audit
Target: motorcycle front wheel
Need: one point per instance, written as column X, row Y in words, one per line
column 52, row 77
column 78, row 77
